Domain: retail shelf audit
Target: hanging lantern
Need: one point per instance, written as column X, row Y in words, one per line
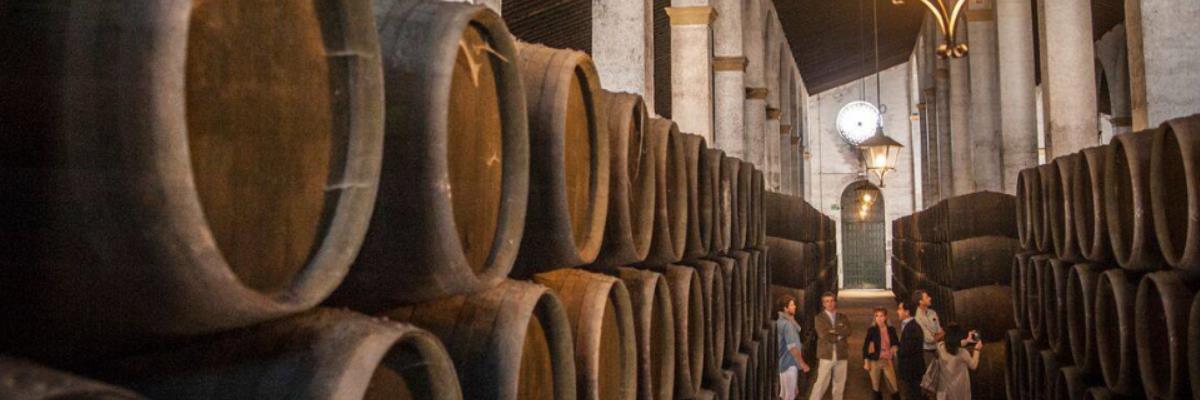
column 879, row 154
column 947, row 19
column 866, row 196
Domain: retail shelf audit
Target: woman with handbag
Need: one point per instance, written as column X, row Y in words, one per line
column 951, row 370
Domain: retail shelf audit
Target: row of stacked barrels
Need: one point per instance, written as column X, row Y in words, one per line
column 1105, row 291
column 803, row 262
column 389, row 199
column 960, row 251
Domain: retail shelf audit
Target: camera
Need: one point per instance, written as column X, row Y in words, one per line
column 973, row 337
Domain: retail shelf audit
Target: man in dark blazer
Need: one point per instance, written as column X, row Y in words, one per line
column 910, row 365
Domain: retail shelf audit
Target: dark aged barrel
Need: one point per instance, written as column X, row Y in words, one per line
column 721, row 385
column 1020, row 264
column 453, row 187
column 24, row 380
column 1102, row 393
column 630, row 222
column 700, row 200
column 321, row 354
column 1034, row 370
column 984, row 308
column 745, row 265
column 601, row 317
column 687, row 299
column 740, row 365
column 654, row 321
column 1069, row 384
column 1193, row 337
column 1034, row 274
column 1128, row 211
column 730, row 173
column 958, row 218
column 1080, row 316
column 569, row 160
column 758, row 225
column 1050, row 365
column 1087, row 195
column 1041, row 227
column 1054, row 293
column 746, row 203
column 131, row 131
column 510, row 342
column 987, row 381
column 734, row 271
column 713, row 159
column 1115, row 294
column 1175, row 191
column 1028, row 212
column 787, row 265
column 1059, row 213
column 968, row 263
column 1164, row 302
column 712, row 284
column 1015, row 375
column 671, row 201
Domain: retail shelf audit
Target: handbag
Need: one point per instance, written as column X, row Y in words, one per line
column 932, row 378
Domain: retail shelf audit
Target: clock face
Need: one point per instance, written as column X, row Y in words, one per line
column 857, row 121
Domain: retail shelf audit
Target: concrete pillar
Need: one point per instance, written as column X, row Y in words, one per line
column 985, row 97
column 771, row 55
column 783, row 135
column 941, row 79
column 729, row 79
column 1068, row 75
column 753, row 41
column 623, row 45
column 1018, row 103
column 1164, row 59
column 691, row 69
column 1111, row 52
column 963, row 168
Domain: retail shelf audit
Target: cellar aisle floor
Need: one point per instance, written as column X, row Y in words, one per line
column 858, row 306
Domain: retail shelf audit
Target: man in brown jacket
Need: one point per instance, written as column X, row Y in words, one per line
column 832, row 330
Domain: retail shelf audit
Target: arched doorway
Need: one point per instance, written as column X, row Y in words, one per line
column 863, row 237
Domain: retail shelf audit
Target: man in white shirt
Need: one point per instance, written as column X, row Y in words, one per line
column 928, row 319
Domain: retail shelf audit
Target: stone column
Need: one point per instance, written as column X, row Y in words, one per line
column 1018, row 103
column 941, row 79
column 729, row 79
column 623, row 45
column 1068, row 76
column 771, row 168
column 985, row 97
column 1111, row 52
column 753, row 23
column 691, row 69
column 786, row 164
column 963, row 167
column 1164, row 59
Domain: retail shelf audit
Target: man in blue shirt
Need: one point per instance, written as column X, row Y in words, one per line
column 789, row 347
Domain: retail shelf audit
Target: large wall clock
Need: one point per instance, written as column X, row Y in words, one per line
column 857, row 121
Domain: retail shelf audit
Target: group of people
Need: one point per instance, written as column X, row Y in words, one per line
column 896, row 363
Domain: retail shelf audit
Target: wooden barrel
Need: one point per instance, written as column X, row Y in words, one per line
column 130, row 129
column 1028, row 211
column 569, row 160
column 713, row 159
column 1059, row 212
column 1049, row 373
column 1033, row 369
column 671, row 201
column 1087, row 195
column 722, row 386
column 1115, row 294
column 1102, row 393
column 712, row 284
column 745, row 300
column 1069, row 384
column 1080, row 316
column 791, row 217
column 757, row 224
column 687, row 299
column 510, row 342
column 746, row 203
column 630, row 223
column 1128, row 212
column 1016, row 376
column 967, row 263
column 24, row 380
column 740, row 366
column 787, row 266
column 1047, row 183
column 1175, row 191
column 735, row 279
column 984, row 308
column 1034, row 275
column 730, row 167
column 455, row 173
column 654, row 321
column 601, row 317
column 957, row 218
column 753, row 291
column 321, row 354
column 1164, row 302
column 701, row 198
column 988, row 379
column 1020, row 264
column 1054, row 296
column 1193, row 337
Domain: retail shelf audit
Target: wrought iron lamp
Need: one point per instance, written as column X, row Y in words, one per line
column 879, row 154
column 947, row 19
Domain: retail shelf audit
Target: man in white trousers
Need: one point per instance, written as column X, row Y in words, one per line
column 790, row 355
column 832, row 331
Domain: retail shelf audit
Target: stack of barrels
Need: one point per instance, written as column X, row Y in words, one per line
column 959, row 252
column 1105, row 288
column 803, row 256
column 361, row 199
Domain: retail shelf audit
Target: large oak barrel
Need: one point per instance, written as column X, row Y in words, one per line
column 957, row 218
column 601, row 317
column 510, row 342
column 1193, row 337
column 788, row 265
column 988, row 379
column 1069, row 384
column 1016, row 375
column 730, row 173
column 1060, row 209
column 1175, row 191
column 746, row 203
column 745, row 263
column 734, row 272
column 1102, row 393
column 1164, row 302
column 630, row 222
column 758, row 231
column 1080, row 316
column 1034, row 370
column 984, row 308
column 1041, row 229
column 1021, row 263
column 687, row 300
column 1028, row 209
column 1088, row 205
column 713, row 160
column 968, row 263
column 1128, row 212
column 671, row 200
column 569, row 160
column 321, row 354
column 722, row 386
column 1054, row 302
column 791, row 217
column 1115, row 328
column 158, row 140
column 1048, row 375
column 654, row 321
column 701, row 198
column 24, row 380
column 712, row 284
column 454, row 180
column 1036, row 272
